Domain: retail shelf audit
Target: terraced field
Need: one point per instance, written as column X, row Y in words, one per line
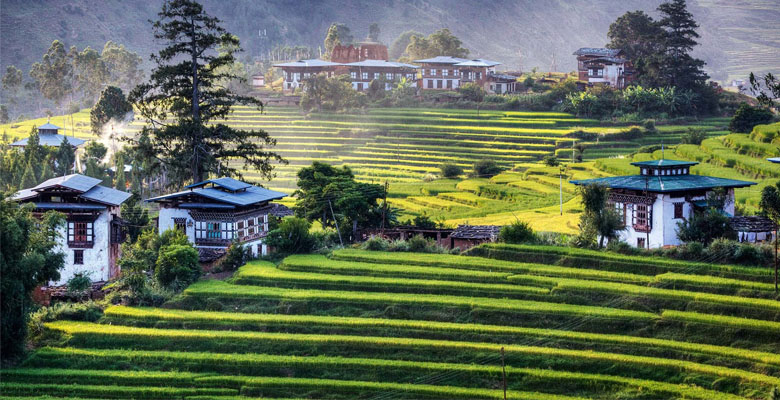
column 405, row 147
column 374, row 325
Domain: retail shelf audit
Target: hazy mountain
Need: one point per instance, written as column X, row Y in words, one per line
column 738, row 36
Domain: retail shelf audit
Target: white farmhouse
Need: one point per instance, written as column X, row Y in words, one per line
column 662, row 195
column 215, row 212
column 90, row 239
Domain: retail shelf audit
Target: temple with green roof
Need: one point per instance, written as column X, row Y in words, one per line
column 663, row 194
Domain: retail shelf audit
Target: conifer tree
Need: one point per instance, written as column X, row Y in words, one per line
column 46, row 171
column 183, row 97
column 66, row 156
column 680, row 68
column 120, row 181
column 28, row 177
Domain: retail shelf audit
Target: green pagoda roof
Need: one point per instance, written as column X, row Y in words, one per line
column 665, row 183
column 663, row 163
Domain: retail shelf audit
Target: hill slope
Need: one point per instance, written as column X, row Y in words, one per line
column 737, row 36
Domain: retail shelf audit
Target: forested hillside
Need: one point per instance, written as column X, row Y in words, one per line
column 737, row 36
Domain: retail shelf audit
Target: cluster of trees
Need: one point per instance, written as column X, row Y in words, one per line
column 439, row 43
column 77, row 76
column 37, row 163
column 604, row 102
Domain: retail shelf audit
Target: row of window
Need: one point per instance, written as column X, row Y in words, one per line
column 439, row 84
column 596, row 72
column 376, row 75
column 230, row 230
column 665, row 172
column 80, row 233
column 444, row 72
column 640, row 214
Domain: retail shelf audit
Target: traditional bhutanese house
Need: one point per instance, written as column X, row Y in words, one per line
column 215, row 212
column 439, row 73
column 94, row 228
column 363, row 72
column 49, row 136
column 467, row 236
column 604, row 66
column 753, row 229
column 501, row 83
column 663, row 194
column 476, row 71
column 296, row 72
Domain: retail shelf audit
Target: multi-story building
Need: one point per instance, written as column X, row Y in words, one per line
column 439, row 72
column 216, row 212
column 604, row 66
column 449, row 73
column 363, row 72
column 296, row 72
column 93, row 227
column 662, row 195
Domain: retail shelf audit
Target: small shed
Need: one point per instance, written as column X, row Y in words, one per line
column 258, row 80
column 467, row 236
column 753, row 229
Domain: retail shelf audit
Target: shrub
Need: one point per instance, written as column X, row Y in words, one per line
column 292, row 236
column 705, row 226
column 177, row 266
column 550, row 161
column 375, row 243
column 79, row 284
column 486, row 169
column 517, row 232
column 419, row 244
column 237, row 255
column 747, row 117
column 649, row 124
column 85, row 311
column 693, row 136
column 472, row 92
column 450, row 170
column 424, row 221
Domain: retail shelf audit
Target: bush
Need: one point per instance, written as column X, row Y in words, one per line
column 693, row 136
column 292, row 236
column 86, row 311
column 177, row 266
column 236, row 256
column 375, row 243
column 472, row 92
column 517, row 232
column 747, row 117
column 649, row 124
column 450, row 170
column 550, row 161
column 79, row 284
column 705, row 226
column 486, row 169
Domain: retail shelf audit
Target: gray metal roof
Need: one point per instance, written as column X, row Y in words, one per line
column 207, row 205
column 479, row 62
column 77, row 182
column 380, row 63
column 224, row 182
column 51, row 139
column 49, row 125
column 476, row 232
column 88, row 188
column 106, row 195
column 596, row 51
column 663, row 163
column 244, row 197
column 616, row 60
column 442, row 60
column 774, row 160
column 314, row 62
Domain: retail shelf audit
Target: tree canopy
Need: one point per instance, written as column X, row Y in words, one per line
column 184, row 88
column 439, row 43
column 53, row 73
column 338, row 34
column 398, row 47
column 597, row 217
column 29, row 257
column 112, row 104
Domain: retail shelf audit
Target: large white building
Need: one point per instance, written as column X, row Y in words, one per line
column 215, row 212
column 93, row 231
column 662, row 195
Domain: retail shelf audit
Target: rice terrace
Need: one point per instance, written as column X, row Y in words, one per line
column 424, row 199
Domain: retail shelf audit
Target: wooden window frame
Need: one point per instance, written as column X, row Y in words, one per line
column 78, row 257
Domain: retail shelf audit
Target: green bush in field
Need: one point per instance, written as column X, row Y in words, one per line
column 693, row 136
column 292, row 236
column 450, row 170
column 177, row 265
column 486, row 169
column 747, row 117
column 517, row 232
column 235, row 257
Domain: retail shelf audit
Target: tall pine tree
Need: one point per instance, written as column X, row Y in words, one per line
column 679, row 67
column 66, row 156
column 183, row 88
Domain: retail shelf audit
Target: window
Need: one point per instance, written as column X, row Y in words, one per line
column 620, row 208
column 640, row 242
column 80, row 233
column 180, row 224
column 455, row 72
column 212, row 230
column 678, row 210
column 365, row 76
column 438, row 84
column 445, row 72
column 430, row 83
column 641, row 218
column 376, row 75
column 306, row 75
column 353, row 74
column 78, row 257
column 360, row 86
column 449, row 84
column 433, row 72
column 389, row 76
column 600, row 72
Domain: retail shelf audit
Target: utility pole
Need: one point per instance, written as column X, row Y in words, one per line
column 503, row 370
column 775, row 260
column 384, row 210
column 560, row 189
column 335, row 221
